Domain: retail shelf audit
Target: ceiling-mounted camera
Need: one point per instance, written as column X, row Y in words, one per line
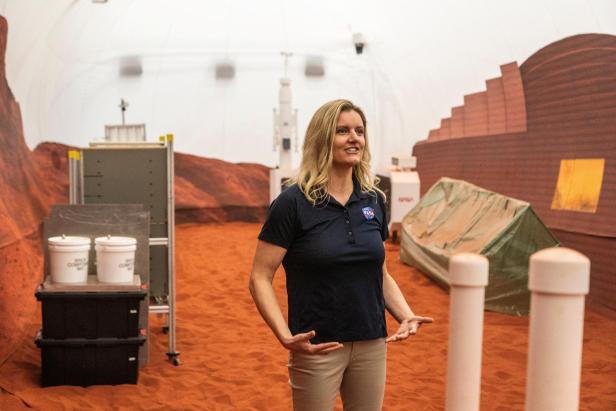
column 359, row 42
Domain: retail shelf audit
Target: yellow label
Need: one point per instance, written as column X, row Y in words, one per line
column 169, row 137
column 161, row 139
column 74, row 154
column 579, row 185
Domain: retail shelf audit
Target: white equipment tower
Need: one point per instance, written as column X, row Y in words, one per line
column 404, row 194
column 285, row 134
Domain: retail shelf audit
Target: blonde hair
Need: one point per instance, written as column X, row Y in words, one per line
column 317, row 154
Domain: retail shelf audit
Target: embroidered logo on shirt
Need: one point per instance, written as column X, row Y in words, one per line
column 368, row 212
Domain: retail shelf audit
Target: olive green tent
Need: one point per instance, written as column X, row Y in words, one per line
column 455, row 216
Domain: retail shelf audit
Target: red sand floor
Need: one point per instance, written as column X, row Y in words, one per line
column 231, row 361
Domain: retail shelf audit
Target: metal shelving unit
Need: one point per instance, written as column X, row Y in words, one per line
column 136, row 173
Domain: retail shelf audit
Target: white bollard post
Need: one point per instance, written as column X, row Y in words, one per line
column 558, row 280
column 468, row 277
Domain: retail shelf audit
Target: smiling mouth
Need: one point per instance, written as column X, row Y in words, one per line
column 352, row 150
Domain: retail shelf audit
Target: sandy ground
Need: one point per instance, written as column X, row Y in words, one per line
column 231, row 361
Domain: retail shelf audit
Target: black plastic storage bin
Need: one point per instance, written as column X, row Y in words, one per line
column 86, row 362
column 90, row 314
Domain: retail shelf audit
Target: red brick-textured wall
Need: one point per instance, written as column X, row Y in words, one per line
column 476, row 114
column 601, row 251
column 434, row 135
column 445, row 131
column 457, row 122
column 514, row 98
column 566, row 109
column 497, row 116
column 499, row 109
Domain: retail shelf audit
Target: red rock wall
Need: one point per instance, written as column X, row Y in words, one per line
column 21, row 269
column 23, row 204
column 206, row 190
column 210, row 190
column 569, row 96
column 52, row 162
column 23, row 201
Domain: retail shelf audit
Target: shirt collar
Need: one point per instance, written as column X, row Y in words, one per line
column 357, row 193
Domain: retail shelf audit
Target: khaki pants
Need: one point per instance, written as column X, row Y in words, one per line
column 357, row 370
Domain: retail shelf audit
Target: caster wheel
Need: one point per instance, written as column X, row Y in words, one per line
column 173, row 357
column 394, row 236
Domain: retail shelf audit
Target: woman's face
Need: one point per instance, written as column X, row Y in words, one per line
column 349, row 140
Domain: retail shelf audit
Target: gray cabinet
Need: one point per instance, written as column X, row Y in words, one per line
column 136, row 173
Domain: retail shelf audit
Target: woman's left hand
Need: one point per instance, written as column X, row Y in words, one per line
column 408, row 327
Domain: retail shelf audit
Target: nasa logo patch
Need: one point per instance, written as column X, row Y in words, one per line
column 368, row 212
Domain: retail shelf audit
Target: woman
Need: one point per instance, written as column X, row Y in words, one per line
column 327, row 229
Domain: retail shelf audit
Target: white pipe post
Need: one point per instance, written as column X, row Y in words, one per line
column 558, row 280
column 468, row 277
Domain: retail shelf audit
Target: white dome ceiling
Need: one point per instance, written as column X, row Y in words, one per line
column 64, row 59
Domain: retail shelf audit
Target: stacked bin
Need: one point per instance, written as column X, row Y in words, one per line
column 90, row 333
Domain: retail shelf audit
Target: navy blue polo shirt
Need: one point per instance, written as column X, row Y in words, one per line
column 333, row 264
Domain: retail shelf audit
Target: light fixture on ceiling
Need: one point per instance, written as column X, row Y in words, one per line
column 99, row 1
column 225, row 70
column 314, row 66
column 130, row 66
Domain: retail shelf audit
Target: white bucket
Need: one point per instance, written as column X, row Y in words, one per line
column 115, row 259
column 68, row 259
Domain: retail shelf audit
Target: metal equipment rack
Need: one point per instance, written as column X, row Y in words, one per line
column 142, row 173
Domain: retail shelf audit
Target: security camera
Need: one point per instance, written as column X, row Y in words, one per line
column 359, row 41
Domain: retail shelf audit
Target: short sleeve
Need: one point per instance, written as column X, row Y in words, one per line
column 280, row 223
column 385, row 222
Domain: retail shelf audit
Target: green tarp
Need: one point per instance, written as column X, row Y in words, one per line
column 455, row 216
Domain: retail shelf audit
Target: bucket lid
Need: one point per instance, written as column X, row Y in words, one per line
column 68, row 240
column 115, row 241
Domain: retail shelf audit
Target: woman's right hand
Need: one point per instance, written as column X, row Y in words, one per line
column 300, row 343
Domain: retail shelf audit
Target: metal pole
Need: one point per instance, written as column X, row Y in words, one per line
column 173, row 353
column 80, row 191
column 558, row 280
column 72, row 197
column 123, row 106
column 468, row 275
